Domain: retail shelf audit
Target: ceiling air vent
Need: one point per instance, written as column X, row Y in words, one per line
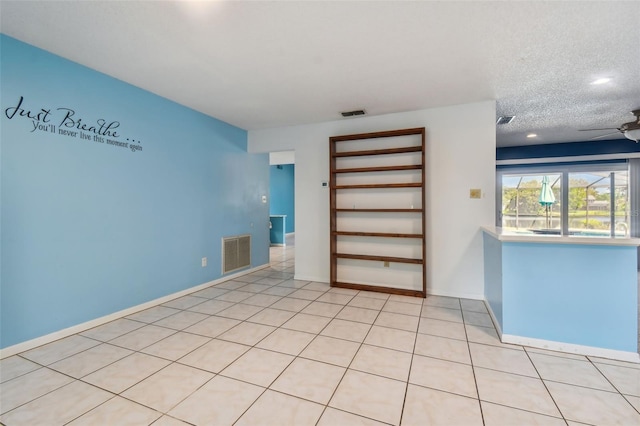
column 353, row 113
column 504, row 119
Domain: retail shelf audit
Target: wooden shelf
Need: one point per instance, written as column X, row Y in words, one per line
column 381, row 210
column 379, row 151
column 375, row 135
column 381, row 185
column 378, row 258
column 377, row 288
column 379, row 169
column 382, row 192
column 377, row 234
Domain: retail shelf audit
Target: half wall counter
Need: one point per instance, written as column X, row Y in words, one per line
column 569, row 294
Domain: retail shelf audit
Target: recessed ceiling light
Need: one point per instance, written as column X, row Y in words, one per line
column 601, row 80
column 532, row 135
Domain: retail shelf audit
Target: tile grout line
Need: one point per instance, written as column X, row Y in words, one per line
column 501, row 371
column 361, row 344
column 545, row 385
column 346, row 369
column 473, row 367
column 99, row 405
column 265, row 388
column 268, row 386
column 613, row 385
column 211, row 338
column 74, row 379
column 109, row 342
column 413, row 353
column 214, row 374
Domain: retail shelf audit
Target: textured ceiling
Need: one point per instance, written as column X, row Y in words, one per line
column 269, row 64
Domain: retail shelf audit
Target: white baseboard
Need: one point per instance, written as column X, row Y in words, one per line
column 60, row 334
column 310, row 278
column 493, row 318
column 571, row 348
column 561, row 346
column 438, row 292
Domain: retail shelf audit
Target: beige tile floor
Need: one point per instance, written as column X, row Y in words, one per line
column 264, row 349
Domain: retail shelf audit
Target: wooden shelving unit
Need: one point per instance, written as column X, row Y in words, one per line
column 380, row 185
column 378, row 234
column 382, row 210
column 373, row 176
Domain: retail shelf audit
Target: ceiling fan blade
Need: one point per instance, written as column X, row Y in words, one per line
column 605, row 128
column 605, row 135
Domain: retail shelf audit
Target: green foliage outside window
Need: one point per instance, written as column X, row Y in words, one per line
column 589, row 202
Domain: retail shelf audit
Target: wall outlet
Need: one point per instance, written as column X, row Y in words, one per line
column 386, row 264
column 204, row 262
column 475, row 193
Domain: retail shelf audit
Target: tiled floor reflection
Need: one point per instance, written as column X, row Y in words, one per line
column 265, row 349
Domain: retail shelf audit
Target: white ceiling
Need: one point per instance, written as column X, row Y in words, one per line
column 269, row 64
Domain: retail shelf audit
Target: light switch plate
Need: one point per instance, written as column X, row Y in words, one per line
column 475, row 193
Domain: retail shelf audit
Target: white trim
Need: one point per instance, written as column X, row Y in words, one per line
column 56, row 335
column 430, row 292
column 571, row 348
column 308, row 278
column 509, row 237
column 540, row 160
column 560, row 346
column 436, row 292
column 496, row 323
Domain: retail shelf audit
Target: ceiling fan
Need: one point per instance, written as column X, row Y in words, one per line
column 630, row 130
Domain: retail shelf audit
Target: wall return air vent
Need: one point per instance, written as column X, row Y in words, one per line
column 236, row 253
column 353, row 113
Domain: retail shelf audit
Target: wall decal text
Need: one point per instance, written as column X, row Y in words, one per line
column 64, row 121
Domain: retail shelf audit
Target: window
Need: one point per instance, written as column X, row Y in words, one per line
column 581, row 200
column 598, row 204
column 521, row 207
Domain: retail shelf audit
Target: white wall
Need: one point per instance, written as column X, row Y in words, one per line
column 460, row 155
column 282, row 157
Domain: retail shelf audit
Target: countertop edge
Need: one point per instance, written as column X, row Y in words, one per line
column 497, row 233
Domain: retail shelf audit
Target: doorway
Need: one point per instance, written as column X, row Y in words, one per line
column 282, row 196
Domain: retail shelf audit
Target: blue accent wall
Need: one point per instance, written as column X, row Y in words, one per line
column 493, row 276
column 580, row 294
column 90, row 227
column 282, row 188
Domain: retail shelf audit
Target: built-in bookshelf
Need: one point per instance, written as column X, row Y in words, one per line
column 377, row 217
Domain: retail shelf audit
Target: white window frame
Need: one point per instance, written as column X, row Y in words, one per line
column 564, row 170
